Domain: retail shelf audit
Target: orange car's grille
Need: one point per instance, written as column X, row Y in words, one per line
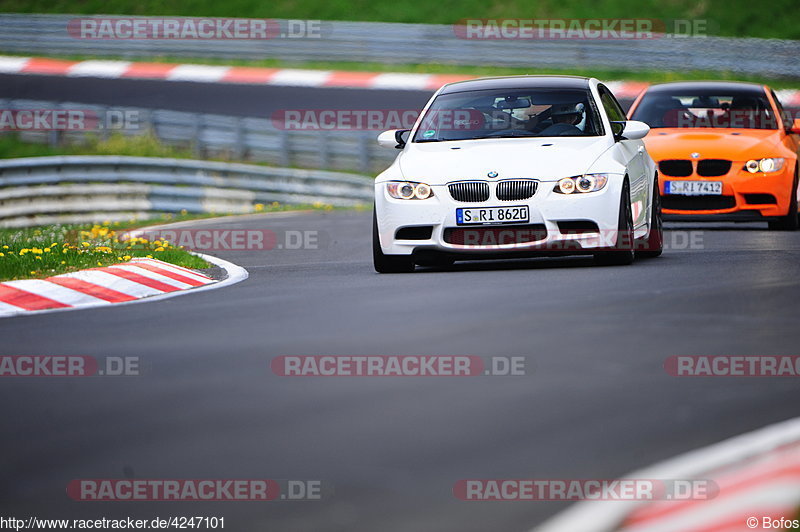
column 684, row 167
column 697, row 203
column 676, row 167
column 713, row 167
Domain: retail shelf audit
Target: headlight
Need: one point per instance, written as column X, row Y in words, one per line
column 408, row 190
column 582, row 183
column 767, row 165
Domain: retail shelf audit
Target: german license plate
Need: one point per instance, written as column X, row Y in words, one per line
column 492, row 215
column 693, row 188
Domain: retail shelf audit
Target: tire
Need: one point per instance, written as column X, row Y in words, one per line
column 653, row 245
column 387, row 263
column 622, row 253
column 791, row 221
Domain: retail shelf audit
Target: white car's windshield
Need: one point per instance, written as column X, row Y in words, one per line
column 504, row 113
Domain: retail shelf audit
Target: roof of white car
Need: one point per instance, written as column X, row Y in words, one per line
column 518, row 82
column 678, row 86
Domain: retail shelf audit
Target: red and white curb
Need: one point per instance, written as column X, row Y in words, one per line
column 769, row 486
column 225, row 74
column 758, row 476
column 128, row 282
column 273, row 76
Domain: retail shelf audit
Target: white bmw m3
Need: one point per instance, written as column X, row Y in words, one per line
column 517, row 167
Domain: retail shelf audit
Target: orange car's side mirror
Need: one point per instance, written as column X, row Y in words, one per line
column 796, row 126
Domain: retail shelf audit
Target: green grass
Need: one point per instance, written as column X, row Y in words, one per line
column 117, row 144
column 738, row 18
column 39, row 252
column 44, row 251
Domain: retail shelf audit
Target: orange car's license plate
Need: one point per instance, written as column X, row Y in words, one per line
column 693, row 188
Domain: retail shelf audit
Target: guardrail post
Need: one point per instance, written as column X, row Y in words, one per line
column 324, row 151
column 103, row 123
column 364, row 153
column 285, row 155
column 241, row 147
column 54, row 138
column 197, row 148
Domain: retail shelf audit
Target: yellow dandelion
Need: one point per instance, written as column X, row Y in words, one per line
column 159, row 248
column 63, row 262
column 47, row 250
column 126, row 257
column 5, row 247
column 85, row 244
column 258, row 207
column 2, row 254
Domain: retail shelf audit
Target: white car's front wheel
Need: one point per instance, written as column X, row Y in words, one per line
column 622, row 253
column 387, row 263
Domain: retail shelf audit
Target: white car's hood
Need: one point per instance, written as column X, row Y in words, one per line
column 547, row 159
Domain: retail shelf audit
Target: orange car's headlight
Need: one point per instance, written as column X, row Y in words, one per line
column 766, row 165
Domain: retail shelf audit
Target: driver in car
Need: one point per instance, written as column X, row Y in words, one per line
column 565, row 117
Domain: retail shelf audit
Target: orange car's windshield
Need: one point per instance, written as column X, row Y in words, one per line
column 746, row 109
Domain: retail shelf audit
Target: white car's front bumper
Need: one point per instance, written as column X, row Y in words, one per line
column 547, row 208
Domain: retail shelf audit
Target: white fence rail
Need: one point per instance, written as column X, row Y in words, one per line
column 229, row 137
column 72, row 189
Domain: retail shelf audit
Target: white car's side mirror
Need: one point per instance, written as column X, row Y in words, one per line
column 635, row 130
column 393, row 138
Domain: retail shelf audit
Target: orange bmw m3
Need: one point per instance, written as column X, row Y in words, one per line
column 725, row 151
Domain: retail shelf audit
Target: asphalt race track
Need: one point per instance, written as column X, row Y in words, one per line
column 214, row 98
column 596, row 402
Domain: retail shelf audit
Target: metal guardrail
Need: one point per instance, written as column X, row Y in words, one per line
column 73, row 189
column 423, row 43
column 230, row 137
